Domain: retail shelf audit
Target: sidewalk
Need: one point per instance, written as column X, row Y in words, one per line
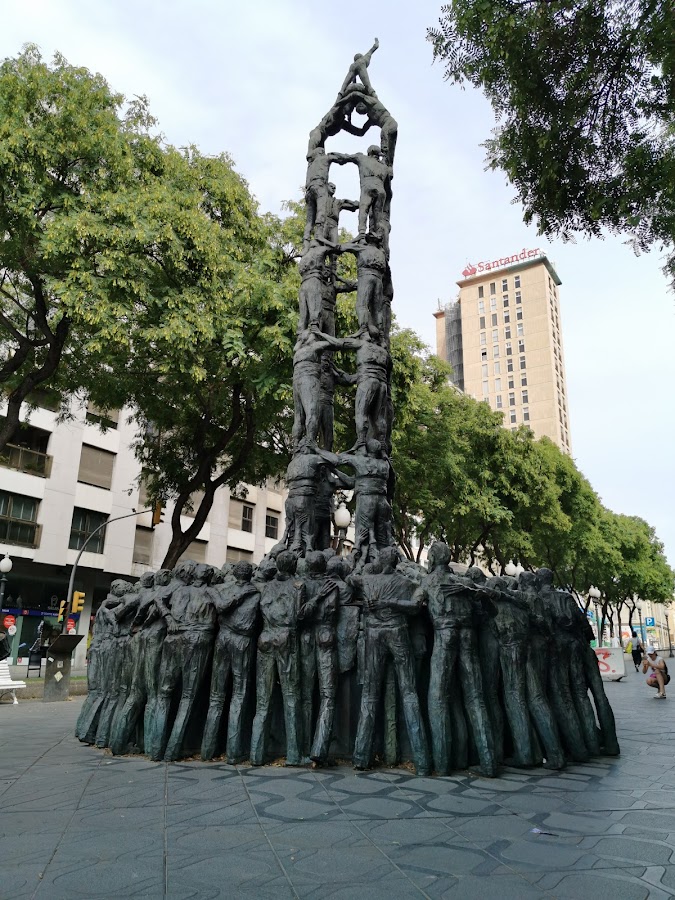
column 78, row 823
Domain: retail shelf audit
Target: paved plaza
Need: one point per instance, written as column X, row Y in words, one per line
column 78, row 823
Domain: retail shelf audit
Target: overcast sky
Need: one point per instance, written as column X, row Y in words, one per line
column 253, row 78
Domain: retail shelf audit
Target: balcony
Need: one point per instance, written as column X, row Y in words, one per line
column 33, row 462
column 19, row 532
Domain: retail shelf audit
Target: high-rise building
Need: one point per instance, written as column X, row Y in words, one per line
column 503, row 338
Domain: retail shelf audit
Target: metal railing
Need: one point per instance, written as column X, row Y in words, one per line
column 24, row 460
column 20, row 532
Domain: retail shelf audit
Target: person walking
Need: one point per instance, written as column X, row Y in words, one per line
column 658, row 672
column 636, row 650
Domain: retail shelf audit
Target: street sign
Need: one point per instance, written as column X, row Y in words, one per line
column 11, row 631
column 70, row 626
column 8, row 621
column 649, row 621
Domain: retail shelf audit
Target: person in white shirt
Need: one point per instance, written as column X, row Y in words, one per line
column 658, row 672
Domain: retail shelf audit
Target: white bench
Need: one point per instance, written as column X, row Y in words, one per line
column 7, row 685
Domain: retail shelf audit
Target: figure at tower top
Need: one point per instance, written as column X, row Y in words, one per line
column 360, row 68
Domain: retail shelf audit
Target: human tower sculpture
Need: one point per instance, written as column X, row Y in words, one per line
column 446, row 669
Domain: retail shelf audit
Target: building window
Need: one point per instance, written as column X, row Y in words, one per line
column 518, row 297
column 486, row 390
column 498, row 368
column 513, row 417
column 483, row 339
column 516, row 281
column 520, row 328
column 506, row 300
column 234, row 555
column 507, row 317
column 18, row 520
column 196, row 551
column 481, row 306
column 509, row 365
column 481, row 292
column 95, row 416
column 499, row 401
column 505, row 284
column 512, row 399
column 481, row 322
column 484, row 370
column 247, row 518
column 483, row 354
column 85, row 522
column 495, row 335
column 523, row 380
column 493, row 303
column 509, row 349
column 271, row 525
column 522, row 362
column 511, row 385
column 519, row 314
column 524, row 397
column 143, row 546
column 494, row 318
column 495, row 351
column 493, row 287
column 507, row 331
column 521, row 346
column 96, row 467
column 498, row 384
column 526, row 414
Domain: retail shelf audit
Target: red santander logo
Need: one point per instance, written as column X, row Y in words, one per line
column 469, row 271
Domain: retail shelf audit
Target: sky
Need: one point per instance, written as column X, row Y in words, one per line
column 253, row 78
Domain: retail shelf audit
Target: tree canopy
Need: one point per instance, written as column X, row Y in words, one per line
column 584, row 96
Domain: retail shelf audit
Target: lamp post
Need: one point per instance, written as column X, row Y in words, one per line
column 5, row 569
column 510, row 569
column 670, row 637
column 342, row 518
column 594, row 594
column 638, row 606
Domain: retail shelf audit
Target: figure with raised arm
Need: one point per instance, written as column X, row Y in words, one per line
column 307, row 386
column 372, row 371
column 369, row 105
column 316, row 188
column 359, row 68
column 372, row 520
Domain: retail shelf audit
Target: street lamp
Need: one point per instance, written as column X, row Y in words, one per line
column 342, row 518
column 5, row 569
column 510, row 569
column 638, row 606
column 594, row 594
column 519, row 570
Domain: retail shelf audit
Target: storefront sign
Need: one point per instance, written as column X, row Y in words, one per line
column 489, row 265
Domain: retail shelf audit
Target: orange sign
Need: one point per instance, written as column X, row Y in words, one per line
column 8, row 621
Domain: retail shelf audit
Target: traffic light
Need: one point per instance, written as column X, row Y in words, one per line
column 157, row 513
column 78, row 601
column 62, row 610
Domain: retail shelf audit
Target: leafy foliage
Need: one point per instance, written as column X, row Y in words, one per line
column 584, row 95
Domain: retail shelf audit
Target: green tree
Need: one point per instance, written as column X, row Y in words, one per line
column 584, row 96
column 67, row 151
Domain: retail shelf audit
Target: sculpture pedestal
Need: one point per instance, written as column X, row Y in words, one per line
column 57, row 672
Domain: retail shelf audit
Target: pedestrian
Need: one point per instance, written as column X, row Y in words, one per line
column 658, row 672
column 636, row 650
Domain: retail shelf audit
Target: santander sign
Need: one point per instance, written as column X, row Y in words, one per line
column 487, row 265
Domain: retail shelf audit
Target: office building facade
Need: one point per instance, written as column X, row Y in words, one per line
column 60, row 480
column 503, row 338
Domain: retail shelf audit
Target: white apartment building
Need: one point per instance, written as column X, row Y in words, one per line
column 59, row 481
